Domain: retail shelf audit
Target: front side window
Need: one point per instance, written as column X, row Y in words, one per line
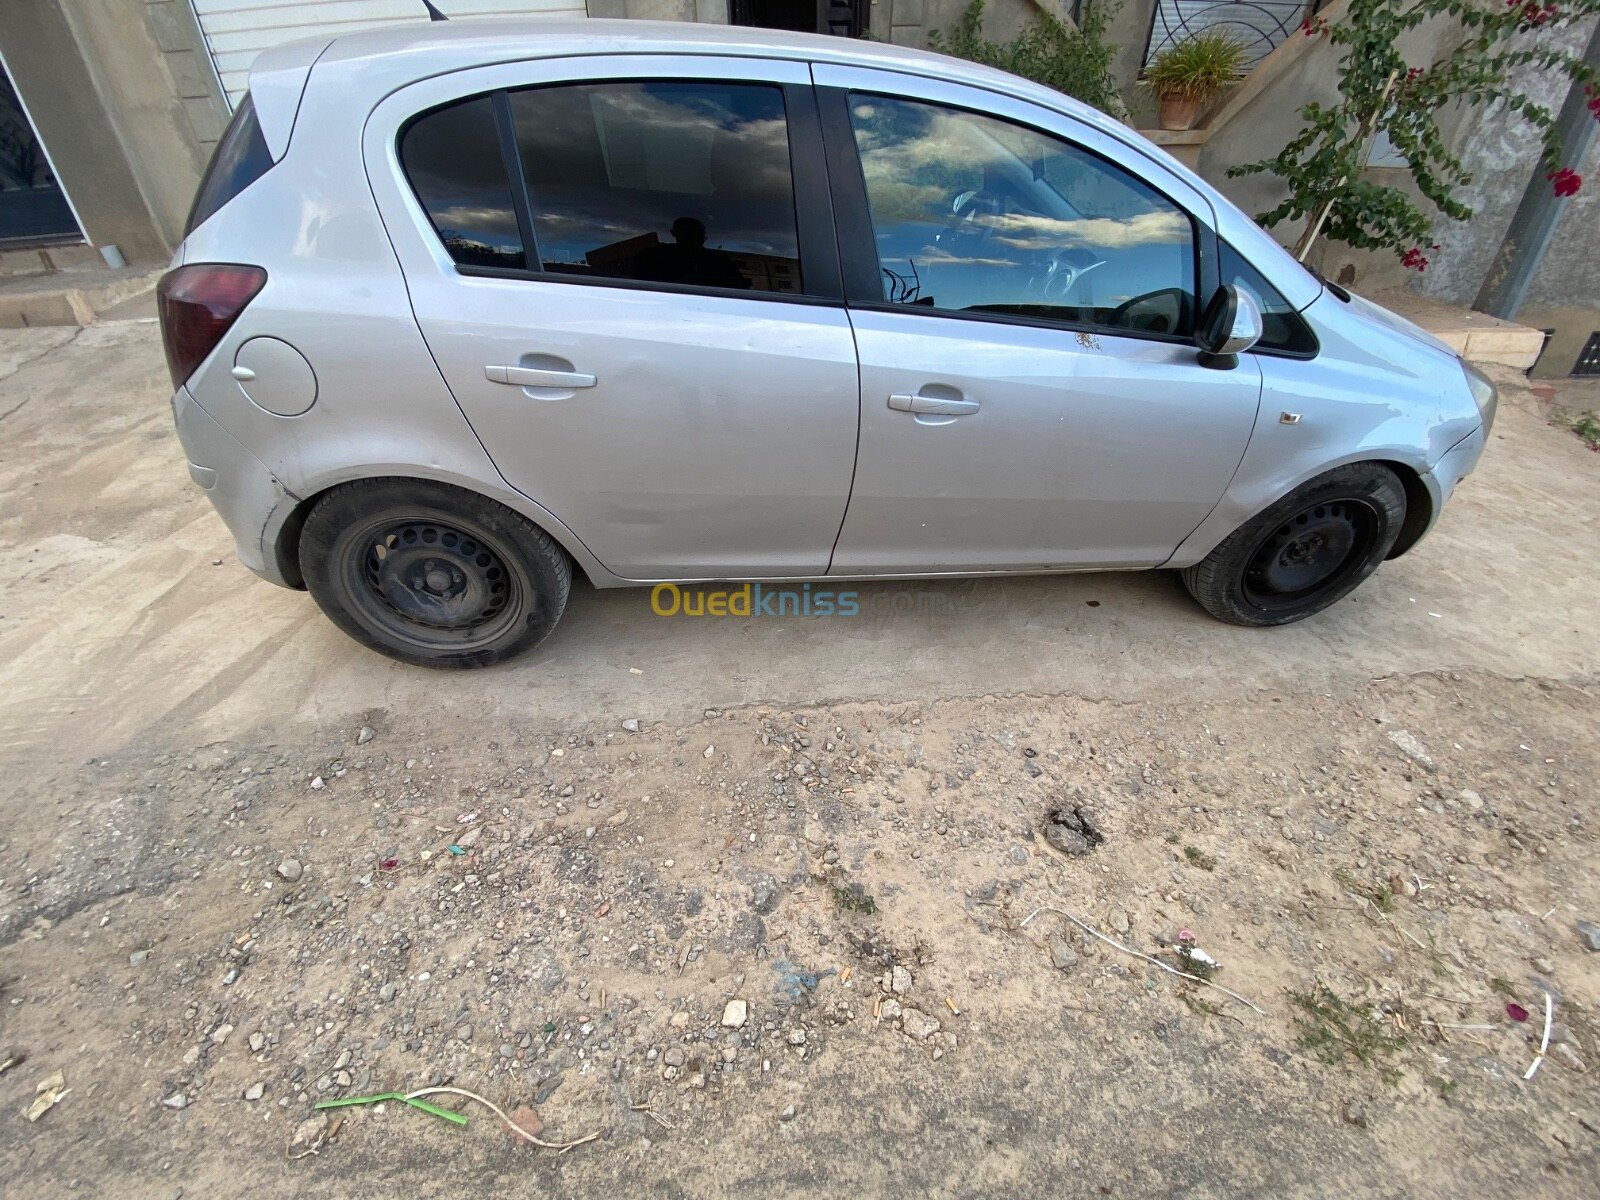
column 683, row 183
column 975, row 214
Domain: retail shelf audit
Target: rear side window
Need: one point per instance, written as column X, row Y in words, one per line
column 452, row 158
column 683, row 183
column 1283, row 329
column 241, row 158
column 666, row 182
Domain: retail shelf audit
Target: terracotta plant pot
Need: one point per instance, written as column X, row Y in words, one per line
column 1178, row 110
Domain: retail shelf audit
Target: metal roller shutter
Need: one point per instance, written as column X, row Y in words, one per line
column 237, row 30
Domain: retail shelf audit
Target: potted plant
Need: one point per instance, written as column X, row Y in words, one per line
column 1188, row 74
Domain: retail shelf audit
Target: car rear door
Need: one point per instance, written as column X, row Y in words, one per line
column 625, row 268
column 1023, row 289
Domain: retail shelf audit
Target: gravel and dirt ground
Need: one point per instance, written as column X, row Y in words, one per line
column 784, row 907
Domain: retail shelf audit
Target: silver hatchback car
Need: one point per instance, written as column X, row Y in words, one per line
column 463, row 305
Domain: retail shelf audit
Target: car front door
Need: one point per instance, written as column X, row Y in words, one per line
column 1023, row 305
column 615, row 264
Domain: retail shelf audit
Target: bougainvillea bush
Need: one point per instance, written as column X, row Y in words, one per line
column 1379, row 90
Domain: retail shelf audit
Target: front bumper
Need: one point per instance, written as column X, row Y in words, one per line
column 1455, row 465
column 246, row 495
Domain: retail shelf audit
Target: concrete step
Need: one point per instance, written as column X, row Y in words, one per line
column 73, row 297
column 1475, row 336
column 34, row 260
column 1183, row 144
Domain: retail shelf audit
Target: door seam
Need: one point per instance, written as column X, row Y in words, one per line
column 855, row 465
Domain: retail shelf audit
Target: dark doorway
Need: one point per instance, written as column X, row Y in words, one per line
column 33, row 207
column 842, row 18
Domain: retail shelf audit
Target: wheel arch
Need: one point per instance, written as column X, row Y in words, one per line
column 1420, row 508
column 284, row 531
column 1244, row 502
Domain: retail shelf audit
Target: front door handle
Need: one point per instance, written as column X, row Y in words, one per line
column 535, row 377
column 938, row 406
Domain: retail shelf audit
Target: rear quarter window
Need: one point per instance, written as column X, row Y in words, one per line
column 452, row 158
column 241, row 158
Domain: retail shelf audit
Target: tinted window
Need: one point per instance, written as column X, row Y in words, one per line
column 684, row 183
column 241, row 158
column 1282, row 327
column 975, row 214
column 452, row 157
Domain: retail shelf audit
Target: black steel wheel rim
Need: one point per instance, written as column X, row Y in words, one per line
column 1314, row 552
column 432, row 583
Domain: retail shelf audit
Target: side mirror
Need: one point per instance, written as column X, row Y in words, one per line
column 1230, row 325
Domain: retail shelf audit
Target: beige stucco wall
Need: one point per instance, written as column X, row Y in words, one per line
column 1271, row 118
column 166, row 137
column 120, row 93
column 1500, row 151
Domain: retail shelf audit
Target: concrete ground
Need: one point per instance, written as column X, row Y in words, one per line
column 118, row 620
column 1417, row 761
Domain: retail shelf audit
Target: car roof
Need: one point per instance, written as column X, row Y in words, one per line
column 378, row 61
column 439, row 46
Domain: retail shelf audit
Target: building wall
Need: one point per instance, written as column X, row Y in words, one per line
column 1272, row 118
column 119, row 98
column 1502, row 151
column 166, row 136
column 907, row 22
column 1128, row 27
column 183, row 50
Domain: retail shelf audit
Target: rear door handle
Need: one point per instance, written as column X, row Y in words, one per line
column 535, row 377
column 933, row 405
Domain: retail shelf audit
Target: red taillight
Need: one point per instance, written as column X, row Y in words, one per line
column 198, row 305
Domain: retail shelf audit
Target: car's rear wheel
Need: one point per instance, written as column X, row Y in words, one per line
column 1305, row 552
column 432, row 575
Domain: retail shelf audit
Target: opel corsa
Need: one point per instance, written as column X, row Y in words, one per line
column 464, row 307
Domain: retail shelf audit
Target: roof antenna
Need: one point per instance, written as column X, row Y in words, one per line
column 433, row 13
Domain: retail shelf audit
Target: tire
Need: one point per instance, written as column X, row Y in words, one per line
column 432, row 575
column 1305, row 552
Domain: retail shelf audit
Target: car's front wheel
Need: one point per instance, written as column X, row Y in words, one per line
column 430, row 574
column 1305, row 552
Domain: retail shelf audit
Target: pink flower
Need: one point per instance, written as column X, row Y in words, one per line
column 1566, row 181
column 1516, row 1012
column 1185, row 935
column 1413, row 259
